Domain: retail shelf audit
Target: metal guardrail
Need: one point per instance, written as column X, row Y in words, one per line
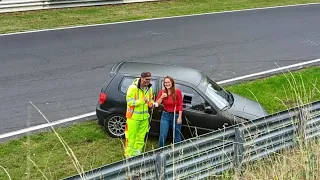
column 29, row 5
column 218, row 151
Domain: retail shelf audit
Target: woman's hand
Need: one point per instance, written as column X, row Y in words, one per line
column 179, row 120
column 164, row 95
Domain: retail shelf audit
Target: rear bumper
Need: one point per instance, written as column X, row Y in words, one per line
column 101, row 115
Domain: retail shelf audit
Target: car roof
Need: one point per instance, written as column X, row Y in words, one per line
column 186, row 74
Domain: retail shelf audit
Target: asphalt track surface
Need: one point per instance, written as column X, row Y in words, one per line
column 62, row 71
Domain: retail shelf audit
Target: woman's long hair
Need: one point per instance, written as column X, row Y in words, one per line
column 173, row 88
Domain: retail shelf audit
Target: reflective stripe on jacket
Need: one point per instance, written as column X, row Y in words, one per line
column 137, row 109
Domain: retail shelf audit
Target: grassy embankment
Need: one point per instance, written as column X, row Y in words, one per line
column 43, row 155
column 34, row 20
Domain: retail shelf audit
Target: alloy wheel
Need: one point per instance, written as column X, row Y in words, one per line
column 116, row 125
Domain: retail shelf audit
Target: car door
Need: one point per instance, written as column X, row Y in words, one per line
column 155, row 111
column 196, row 119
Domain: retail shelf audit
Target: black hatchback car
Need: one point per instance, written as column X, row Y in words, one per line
column 206, row 105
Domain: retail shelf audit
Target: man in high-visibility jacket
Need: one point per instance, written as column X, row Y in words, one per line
column 139, row 99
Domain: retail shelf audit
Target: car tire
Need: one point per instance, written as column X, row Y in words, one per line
column 114, row 125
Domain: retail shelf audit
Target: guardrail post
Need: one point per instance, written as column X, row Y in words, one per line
column 302, row 119
column 238, row 148
column 160, row 166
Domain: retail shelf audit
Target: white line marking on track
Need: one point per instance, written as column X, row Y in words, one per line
column 269, row 71
column 151, row 19
column 94, row 113
column 41, row 126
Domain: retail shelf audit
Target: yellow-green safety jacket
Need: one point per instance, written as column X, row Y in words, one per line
column 137, row 109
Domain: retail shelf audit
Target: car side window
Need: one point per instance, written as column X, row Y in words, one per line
column 192, row 99
column 127, row 81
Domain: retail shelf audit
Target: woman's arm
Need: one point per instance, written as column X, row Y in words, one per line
column 179, row 104
column 159, row 98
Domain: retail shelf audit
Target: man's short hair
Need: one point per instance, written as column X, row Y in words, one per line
column 145, row 74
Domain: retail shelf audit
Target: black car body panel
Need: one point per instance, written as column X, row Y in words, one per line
column 207, row 106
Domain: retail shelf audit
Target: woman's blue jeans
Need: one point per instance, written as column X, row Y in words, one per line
column 166, row 123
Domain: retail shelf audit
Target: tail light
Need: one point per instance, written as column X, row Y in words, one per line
column 103, row 98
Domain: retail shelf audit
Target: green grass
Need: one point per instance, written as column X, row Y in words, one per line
column 94, row 148
column 277, row 93
column 90, row 144
column 289, row 164
column 34, row 20
column 292, row 164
